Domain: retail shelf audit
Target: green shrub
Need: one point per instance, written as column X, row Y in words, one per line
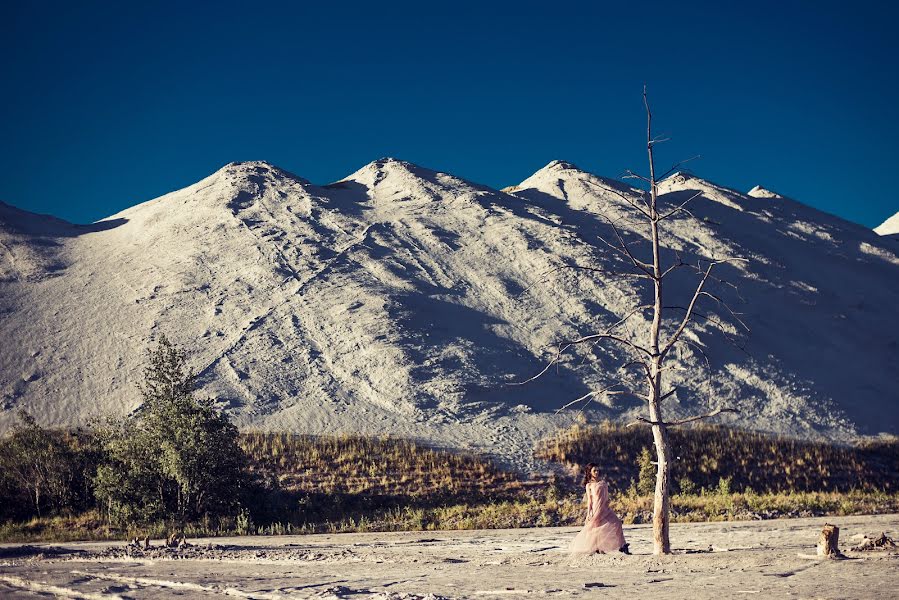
column 686, row 485
column 176, row 458
column 646, row 483
column 724, row 485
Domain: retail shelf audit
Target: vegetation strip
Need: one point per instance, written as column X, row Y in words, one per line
column 177, row 465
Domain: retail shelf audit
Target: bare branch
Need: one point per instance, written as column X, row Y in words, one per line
column 676, row 166
column 715, row 412
column 590, row 395
column 680, row 207
column 718, row 280
column 677, row 265
column 623, row 196
column 720, row 324
column 708, row 365
column 668, row 394
column 541, row 278
column 689, row 312
column 628, row 174
column 607, row 335
column 728, row 309
column 624, row 249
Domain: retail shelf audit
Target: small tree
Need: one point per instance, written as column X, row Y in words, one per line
column 38, row 462
column 650, row 352
column 646, row 478
column 176, row 456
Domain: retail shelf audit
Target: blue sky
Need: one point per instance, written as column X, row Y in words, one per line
column 105, row 105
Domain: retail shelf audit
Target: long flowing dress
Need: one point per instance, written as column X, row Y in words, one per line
column 602, row 530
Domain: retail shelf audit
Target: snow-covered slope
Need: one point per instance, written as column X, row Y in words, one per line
column 404, row 300
column 889, row 227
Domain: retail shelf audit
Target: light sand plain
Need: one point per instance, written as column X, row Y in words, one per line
column 757, row 559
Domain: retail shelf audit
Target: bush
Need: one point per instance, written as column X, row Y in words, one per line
column 40, row 471
column 686, row 486
column 176, row 458
column 724, row 485
column 646, row 484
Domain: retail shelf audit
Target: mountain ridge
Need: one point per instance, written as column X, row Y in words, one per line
column 405, row 300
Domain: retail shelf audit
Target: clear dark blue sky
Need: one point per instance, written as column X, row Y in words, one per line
column 105, row 105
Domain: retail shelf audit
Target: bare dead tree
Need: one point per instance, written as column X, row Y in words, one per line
column 651, row 350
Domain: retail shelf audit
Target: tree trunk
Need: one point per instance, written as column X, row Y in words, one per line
column 828, row 542
column 660, row 504
column 661, row 501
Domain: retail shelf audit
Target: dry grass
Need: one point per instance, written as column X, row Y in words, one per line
column 757, row 461
column 373, row 466
column 348, row 483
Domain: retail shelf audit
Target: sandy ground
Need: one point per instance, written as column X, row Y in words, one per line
column 713, row 560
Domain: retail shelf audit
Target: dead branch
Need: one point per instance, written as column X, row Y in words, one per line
column 628, row 174
column 668, row 394
column 623, row 248
column 708, row 365
column 676, row 422
column 680, row 207
column 541, row 278
column 563, row 346
column 732, row 340
column 591, row 395
column 689, row 312
column 726, row 306
column 624, row 197
column 677, row 265
column 676, row 166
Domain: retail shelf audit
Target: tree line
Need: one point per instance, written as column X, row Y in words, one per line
column 175, row 458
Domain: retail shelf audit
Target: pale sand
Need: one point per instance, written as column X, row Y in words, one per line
column 714, row 560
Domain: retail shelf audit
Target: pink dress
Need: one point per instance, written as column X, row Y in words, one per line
column 602, row 530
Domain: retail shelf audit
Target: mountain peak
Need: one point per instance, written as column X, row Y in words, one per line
column 760, row 192
column 560, row 165
column 889, row 227
column 250, row 168
column 388, row 168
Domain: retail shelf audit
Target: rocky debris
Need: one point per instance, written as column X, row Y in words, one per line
column 183, row 550
column 882, row 542
column 341, row 591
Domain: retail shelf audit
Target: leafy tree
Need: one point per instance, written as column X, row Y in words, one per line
column 38, row 469
column 176, row 457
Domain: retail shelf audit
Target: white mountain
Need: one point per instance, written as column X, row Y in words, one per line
column 402, row 300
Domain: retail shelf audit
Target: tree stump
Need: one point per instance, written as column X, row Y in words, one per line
column 828, row 542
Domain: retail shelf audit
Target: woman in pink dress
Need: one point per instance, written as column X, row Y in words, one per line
column 602, row 530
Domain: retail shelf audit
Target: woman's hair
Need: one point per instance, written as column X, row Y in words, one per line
column 588, row 472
